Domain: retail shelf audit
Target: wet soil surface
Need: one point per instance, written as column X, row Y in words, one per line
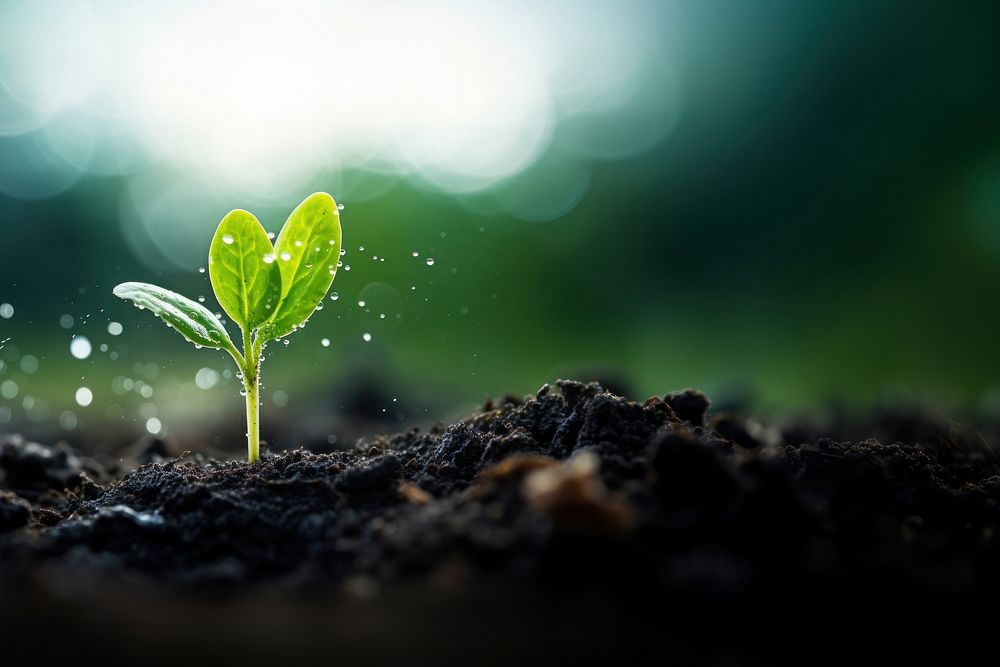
column 571, row 523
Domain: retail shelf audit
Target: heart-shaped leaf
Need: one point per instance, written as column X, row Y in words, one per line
column 308, row 249
column 191, row 319
column 244, row 271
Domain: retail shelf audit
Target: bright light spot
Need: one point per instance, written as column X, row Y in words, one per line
column 8, row 389
column 206, row 378
column 154, row 426
column 6, row 311
column 325, row 342
column 29, row 364
column 367, row 337
column 68, row 420
column 66, row 321
column 114, row 328
column 460, row 95
column 280, row 398
column 84, row 396
column 79, row 347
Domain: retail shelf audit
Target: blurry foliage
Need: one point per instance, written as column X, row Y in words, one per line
column 816, row 224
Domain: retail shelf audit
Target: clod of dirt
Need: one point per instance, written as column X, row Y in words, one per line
column 32, row 469
column 690, row 405
column 14, row 511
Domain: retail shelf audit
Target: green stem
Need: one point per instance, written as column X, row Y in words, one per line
column 251, row 383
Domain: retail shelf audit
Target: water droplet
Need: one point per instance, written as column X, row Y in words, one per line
column 367, row 337
column 154, row 426
column 430, row 261
column 340, row 207
column 80, row 347
column 268, row 258
column 84, row 396
column 6, row 311
column 361, row 248
column 334, row 296
column 381, row 316
column 361, row 304
column 298, row 244
column 201, row 269
column 416, row 254
column 201, row 299
column 227, row 239
column 285, row 256
column 347, row 267
column 285, row 342
column 66, row 321
column 270, row 235
column 325, row 342
column 114, row 328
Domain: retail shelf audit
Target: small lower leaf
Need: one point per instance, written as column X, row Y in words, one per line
column 191, row 319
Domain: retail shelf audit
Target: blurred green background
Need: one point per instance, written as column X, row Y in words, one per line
column 782, row 202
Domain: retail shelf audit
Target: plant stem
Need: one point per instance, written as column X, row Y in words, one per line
column 251, row 383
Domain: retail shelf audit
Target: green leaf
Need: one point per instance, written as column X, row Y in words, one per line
column 308, row 249
column 243, row 269
column 191, row 319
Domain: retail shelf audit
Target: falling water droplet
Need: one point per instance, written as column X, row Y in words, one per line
column 325, row 342
column 367, row 337
column 430, row 261
column 80, row 347
column 84, row 396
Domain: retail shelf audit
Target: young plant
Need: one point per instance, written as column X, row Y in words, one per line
column 268, row 291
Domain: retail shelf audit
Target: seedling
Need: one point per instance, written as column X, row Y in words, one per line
column 268, row 291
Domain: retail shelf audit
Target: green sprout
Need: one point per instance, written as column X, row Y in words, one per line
column 268, row 291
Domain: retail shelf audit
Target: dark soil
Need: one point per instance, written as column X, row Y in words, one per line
column 574, row 523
